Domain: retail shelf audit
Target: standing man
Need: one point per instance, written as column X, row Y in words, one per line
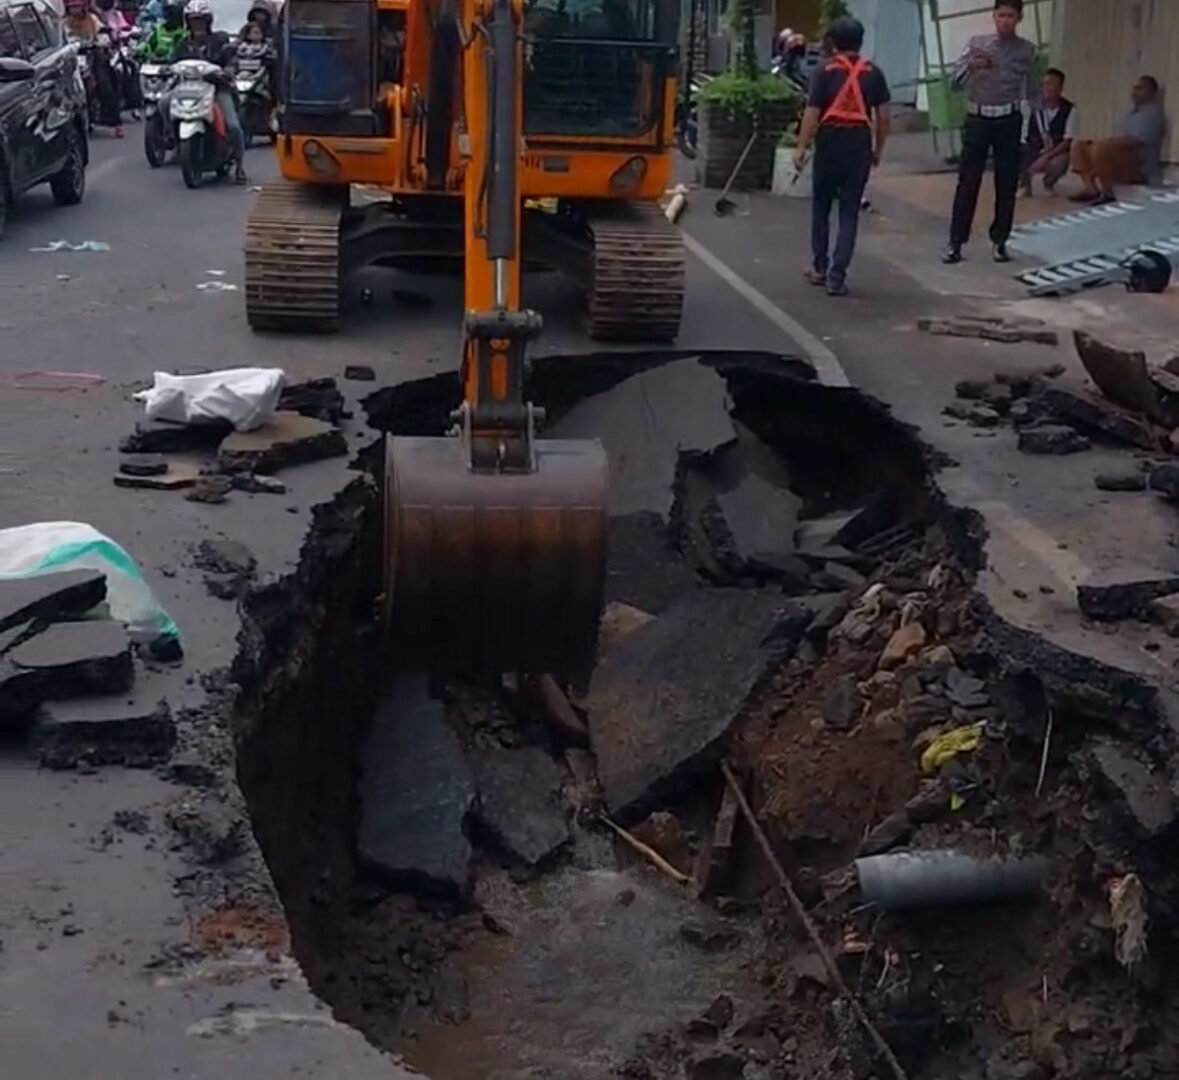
column 997, row 71
column 847, row 119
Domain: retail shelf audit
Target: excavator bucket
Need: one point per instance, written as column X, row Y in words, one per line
column 495, row 571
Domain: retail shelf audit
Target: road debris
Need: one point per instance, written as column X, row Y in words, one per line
column 287, row 439
column 245, row 398
column 714, row 648
column 416, row 794
column 990, row 328
column 649, row 853
column 520, row 803
column 69, row 245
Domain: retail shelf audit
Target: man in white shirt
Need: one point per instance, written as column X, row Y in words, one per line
column 1049, row 131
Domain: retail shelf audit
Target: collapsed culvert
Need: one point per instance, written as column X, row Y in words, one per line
column 784, row 591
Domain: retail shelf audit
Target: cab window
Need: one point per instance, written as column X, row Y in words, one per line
column 30, row 28
column 9, row 42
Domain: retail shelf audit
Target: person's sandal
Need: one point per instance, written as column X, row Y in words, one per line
column 239, row 176
column 815, row 277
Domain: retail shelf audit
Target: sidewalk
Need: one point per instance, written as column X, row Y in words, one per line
column 1049, row 528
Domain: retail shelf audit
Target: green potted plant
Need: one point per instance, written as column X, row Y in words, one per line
column 736, row 106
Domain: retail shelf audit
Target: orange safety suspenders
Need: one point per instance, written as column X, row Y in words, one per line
column 849, row 106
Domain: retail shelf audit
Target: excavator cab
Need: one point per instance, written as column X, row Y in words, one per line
column 504, row 128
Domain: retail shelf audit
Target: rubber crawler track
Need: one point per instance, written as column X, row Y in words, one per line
column 636, row 290
column 293, row 259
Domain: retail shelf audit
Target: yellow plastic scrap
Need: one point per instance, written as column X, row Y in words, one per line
column 948, row 745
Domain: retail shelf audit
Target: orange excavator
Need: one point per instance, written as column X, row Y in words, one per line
column 496, row 130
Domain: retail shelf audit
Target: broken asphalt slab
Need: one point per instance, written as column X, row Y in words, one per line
column 662, row 702
column 520, row 804
column 64, row 594
column 645, row 434
column 288, row 438
column 66, row 660
column 416, row 793
column 752, row 527
column 1124, row 594
column 1142, row 792
column 115, row 729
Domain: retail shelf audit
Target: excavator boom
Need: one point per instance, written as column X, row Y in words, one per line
column 495, row 538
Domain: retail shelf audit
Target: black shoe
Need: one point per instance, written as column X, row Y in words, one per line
column 952, row 254
column 836, row 287
column 999, row 253
column 239, row 176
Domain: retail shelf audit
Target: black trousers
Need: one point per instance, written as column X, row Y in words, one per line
column 982, row 137
column 841, row 171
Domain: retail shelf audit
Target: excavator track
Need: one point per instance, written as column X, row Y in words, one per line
column 293, row 259
column 636, row 283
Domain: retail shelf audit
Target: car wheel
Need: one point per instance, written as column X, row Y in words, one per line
column 69, row 185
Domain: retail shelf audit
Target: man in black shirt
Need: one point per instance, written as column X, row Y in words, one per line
column 847, row 119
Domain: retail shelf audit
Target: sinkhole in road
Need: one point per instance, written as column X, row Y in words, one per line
column 467, row 910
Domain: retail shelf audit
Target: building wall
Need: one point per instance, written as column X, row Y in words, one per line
column 960, row 20
column 1104, row 47
column 892, row 38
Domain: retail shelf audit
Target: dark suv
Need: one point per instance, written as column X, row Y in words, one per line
column 43, row 128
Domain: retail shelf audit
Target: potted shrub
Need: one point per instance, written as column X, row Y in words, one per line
column 735, row 106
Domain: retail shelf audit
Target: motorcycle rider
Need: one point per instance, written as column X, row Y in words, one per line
column 162, row 44
column 262, row 13
column 119, row 28
column 215, row 48
column 84, row 26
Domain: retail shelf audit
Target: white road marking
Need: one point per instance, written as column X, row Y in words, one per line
column 97, row 172
column 826, row 364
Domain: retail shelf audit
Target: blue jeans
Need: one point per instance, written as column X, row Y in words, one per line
column 840, row 177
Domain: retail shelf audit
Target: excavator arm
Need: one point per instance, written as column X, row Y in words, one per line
column 495, row 538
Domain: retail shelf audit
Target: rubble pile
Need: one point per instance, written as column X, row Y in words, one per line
column 67, row 674
column 1131, row 404
column 208, row 461
column 909, row 729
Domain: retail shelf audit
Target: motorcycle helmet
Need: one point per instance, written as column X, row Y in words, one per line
column 104, row 5
column 195, row 10
column 261, row 12
column 76, row 7
column 173, row 15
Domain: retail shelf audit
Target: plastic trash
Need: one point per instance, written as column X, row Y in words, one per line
column 246, row 397
column 908, row 879
column 66, row 245
column 948, row 745
column 47, row 547
column 216, row 286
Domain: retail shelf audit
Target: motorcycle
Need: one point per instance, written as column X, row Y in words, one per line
column 200, row 124
column 125, row 66
column 255, row 105
column 159, row 132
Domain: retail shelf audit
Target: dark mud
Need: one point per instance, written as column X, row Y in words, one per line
column 595, row 964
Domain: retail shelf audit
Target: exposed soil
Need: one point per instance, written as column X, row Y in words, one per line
column 596, row 964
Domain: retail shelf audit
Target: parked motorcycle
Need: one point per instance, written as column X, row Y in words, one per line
column 159, row 132
column 255, row 105
column 200, row 124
